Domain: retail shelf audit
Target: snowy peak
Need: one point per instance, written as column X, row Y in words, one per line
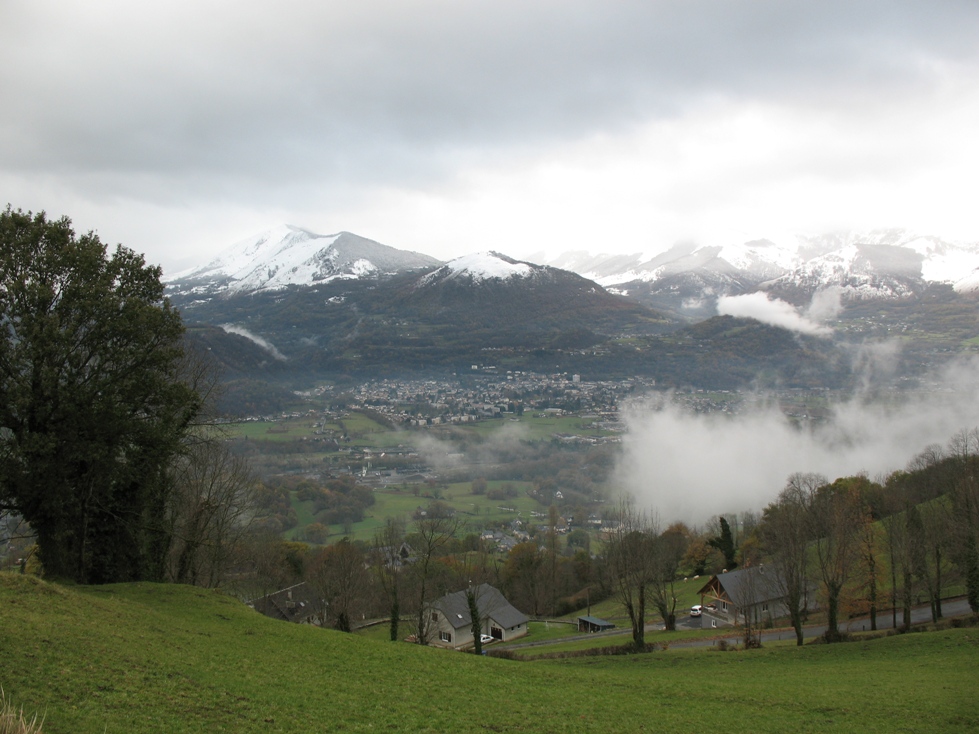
column 757, row 261
column 290, row 256
column 883, row 263
column 480, row 267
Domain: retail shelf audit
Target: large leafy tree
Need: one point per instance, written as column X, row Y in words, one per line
column 93, row 405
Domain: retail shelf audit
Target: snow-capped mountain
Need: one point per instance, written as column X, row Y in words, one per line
column 488, row 290
column 759, row 260
column 876, row 264
column 483, row 266
column 287, row 255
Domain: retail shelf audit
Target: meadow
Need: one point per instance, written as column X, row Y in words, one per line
column 165, row 658
column 270, row 446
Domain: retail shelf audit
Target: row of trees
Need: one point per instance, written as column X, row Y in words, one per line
column 855, row 545
column 907, row 533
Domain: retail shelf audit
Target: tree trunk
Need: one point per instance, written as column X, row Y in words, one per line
column 639, row 627
column 972, row 576
column 906, row 620
column 395, row 612
column 796, row 616
column 833, row 611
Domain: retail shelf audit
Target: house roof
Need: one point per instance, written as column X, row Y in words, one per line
column 596, row 622
column 489, row 600
column 746, row 586
column 294, row 604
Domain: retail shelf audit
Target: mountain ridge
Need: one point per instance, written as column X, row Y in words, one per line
column 286, row 255
column 877, row 264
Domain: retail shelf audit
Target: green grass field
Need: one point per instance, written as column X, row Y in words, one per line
column 157, row 658
column 401, row 502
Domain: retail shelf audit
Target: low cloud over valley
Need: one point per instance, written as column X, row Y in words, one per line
column 690, row 466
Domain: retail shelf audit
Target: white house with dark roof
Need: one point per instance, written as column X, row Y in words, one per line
column 450, row 624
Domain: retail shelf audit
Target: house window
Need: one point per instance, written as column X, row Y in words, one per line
column 435, row 617
column 445, row 636
column 764, row 607
column 724, row 606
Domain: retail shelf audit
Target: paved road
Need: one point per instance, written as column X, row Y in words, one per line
column 921, row 614
column 957, row 607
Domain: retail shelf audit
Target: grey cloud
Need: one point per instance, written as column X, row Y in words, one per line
column 388, row 89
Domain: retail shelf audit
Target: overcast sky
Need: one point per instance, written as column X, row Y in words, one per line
column 452, row 126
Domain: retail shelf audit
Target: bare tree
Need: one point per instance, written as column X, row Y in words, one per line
column 834, row 516
column 475, row 570
column 211, row 510
column 525, row 576
column 931, row 522
column 339, row 576
column 630, row 561
column 868, row 542
column 433, row 534
column 900, row 548
column 785, row 537
column 669, row 549
column 965, row 511
column 267, row 563
column 387, row 563
column 965, row 501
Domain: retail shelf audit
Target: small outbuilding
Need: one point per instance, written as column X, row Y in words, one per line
column 594, row 624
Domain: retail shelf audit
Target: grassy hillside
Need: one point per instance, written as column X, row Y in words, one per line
column 152, row 658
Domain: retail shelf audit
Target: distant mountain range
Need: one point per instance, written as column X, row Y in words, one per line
column 289, row 301
column 341, row 303
column 688, row 279
column 685, row 279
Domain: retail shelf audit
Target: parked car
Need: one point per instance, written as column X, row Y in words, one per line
column 484, row 639
column 696, row 610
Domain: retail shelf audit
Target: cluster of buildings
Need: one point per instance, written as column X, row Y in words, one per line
column 486, row 395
